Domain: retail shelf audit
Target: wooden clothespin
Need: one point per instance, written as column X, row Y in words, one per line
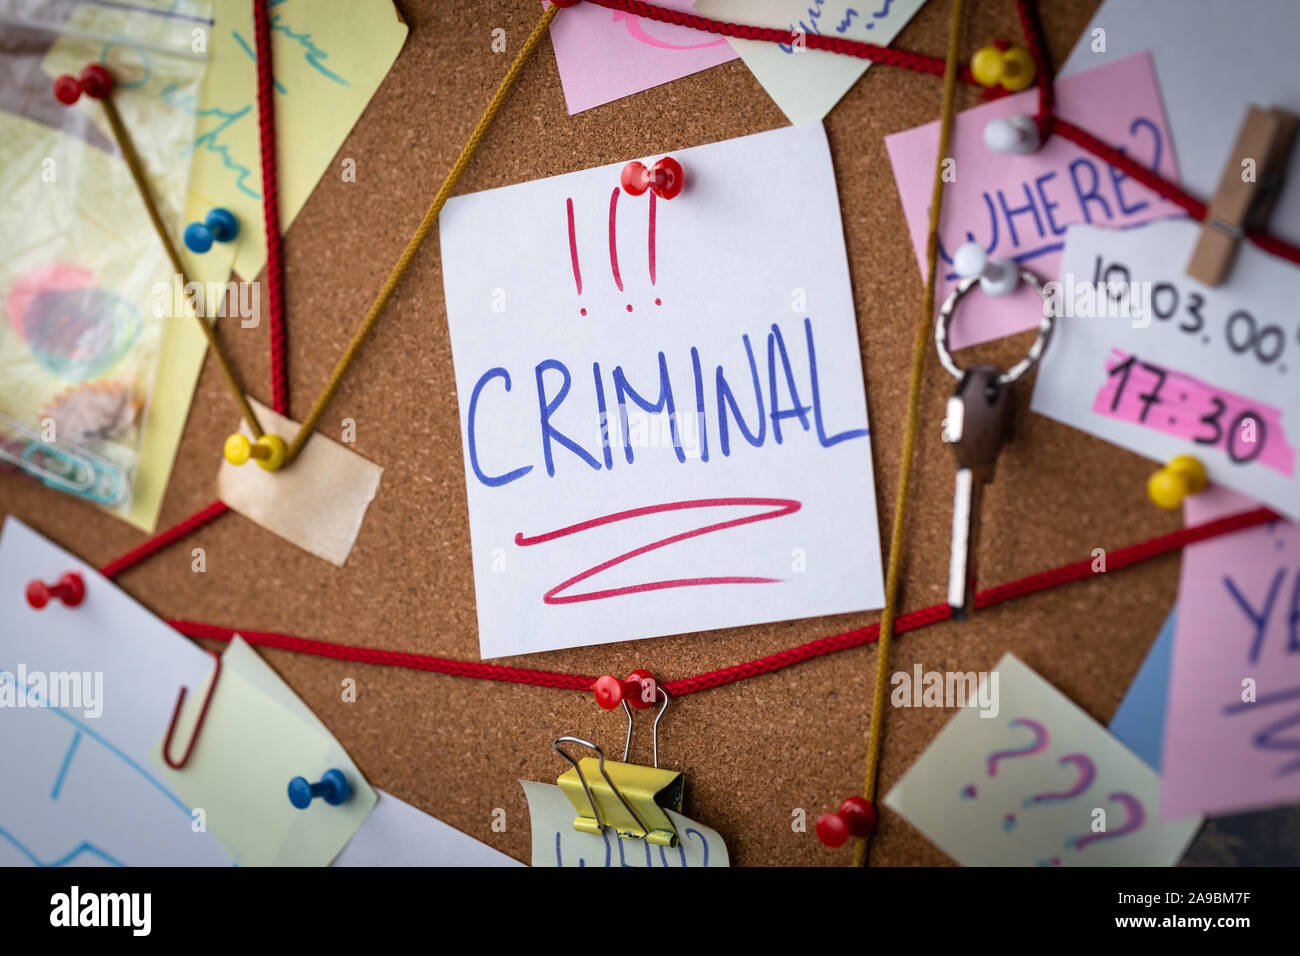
column 1250, row 186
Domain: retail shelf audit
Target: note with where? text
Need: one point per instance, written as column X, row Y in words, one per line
column 1019, row 207
column 661, row 401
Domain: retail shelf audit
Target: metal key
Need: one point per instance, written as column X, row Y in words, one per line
column 977, row 426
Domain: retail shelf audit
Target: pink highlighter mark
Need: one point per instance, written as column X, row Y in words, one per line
column 781, row 507
column 613, row 237
column 59, row 276
column 1143, row 393
column 573, row 250
column 651, row 242
column 637, row 32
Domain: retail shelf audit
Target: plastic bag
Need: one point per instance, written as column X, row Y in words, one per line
column 80, row 261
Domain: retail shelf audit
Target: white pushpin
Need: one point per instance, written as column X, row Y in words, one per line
column 1014, row 134
column 997, row 276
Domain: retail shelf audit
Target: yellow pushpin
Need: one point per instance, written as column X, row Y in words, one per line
column 268, row 450
column 1183, row 476
column 1013, row 69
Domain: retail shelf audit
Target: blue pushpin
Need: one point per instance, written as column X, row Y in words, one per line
column 220, row 225
column 333, row 787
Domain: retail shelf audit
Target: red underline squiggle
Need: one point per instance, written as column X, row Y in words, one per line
column 781, row 507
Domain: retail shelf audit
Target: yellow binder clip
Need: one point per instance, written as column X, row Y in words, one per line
column 629, row 798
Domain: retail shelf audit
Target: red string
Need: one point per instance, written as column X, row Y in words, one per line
column 1115, row 561
column 1195, row 208
column 1047, row 123
column 369, row 655
column 1045, row 119
column 271, row 209
column 1109, row 154
column 173, row 534
column 1037, row 47
column 889, row 56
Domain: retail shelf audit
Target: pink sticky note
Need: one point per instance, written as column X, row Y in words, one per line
column 1019, row 207
column 605, row 55
column 1238, row 622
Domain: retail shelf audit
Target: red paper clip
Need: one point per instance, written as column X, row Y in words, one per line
column 203, row 714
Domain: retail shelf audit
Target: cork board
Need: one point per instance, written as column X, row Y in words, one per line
column 752, row 752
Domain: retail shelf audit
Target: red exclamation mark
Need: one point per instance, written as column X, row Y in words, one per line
column 650, row 242
column 573, row 251
column 613, row 240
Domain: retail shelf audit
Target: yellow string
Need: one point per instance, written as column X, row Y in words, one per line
column 133, row 163
column 919, row 351
column 426, row 225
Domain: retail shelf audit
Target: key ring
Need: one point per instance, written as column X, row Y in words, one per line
column 1017, row 371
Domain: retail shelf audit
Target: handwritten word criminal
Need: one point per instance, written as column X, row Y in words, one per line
column 773, row 409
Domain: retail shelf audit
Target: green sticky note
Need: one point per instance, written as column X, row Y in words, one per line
column 329, row 58
column 258, row 736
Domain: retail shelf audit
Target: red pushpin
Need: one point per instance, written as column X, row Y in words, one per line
column 95, row 81
column 69, row 589
column 639, row 690
column 857, row 817
column 665, row 178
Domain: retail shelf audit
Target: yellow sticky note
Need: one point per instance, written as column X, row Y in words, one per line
column 179, row 363
column 329, row 58
column 257, row 737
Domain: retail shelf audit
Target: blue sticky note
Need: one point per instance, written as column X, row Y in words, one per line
column 1139, row 723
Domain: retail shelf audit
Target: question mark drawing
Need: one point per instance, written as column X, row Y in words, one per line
column 1041, row 739
column 1039, row 744
column 1135, row 816
column 1087, row 773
